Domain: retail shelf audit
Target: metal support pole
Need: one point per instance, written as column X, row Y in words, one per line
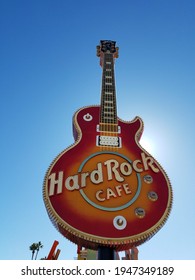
column 105, row 253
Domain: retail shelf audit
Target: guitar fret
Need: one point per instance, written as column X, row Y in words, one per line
column 109, row 93
column 109, row 118
column 108, row 107
column 108, row 84
column 108, row 101
column 108, row 113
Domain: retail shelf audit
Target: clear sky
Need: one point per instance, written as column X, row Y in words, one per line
column 49, row 69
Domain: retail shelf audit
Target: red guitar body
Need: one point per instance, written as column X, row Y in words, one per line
column 106, row 189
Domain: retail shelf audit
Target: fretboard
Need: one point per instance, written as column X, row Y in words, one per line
column 108, row 111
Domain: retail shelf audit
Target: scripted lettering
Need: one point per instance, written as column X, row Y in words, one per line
column 114, row 171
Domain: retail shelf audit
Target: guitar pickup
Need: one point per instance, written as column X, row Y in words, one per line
column 108, row 128
column 109, row 141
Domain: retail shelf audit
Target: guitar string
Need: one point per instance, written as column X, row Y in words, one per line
column 113, row 114
column 108, row 118
column 110, row 114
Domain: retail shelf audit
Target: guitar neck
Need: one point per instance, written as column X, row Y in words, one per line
column 108, row 111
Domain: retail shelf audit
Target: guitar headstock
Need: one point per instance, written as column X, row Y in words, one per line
column 107, row 46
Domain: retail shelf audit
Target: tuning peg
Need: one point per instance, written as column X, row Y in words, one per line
column 98, row 51
column 117, row 52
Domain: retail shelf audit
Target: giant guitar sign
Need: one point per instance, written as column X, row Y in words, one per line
column 106, row 189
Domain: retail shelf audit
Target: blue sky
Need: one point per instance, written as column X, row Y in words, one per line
column 49, row 69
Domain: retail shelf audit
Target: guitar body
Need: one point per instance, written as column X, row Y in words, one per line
column 127, row 193
column 105, row 189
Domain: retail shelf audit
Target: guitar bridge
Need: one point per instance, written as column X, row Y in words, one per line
column 108, row 141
